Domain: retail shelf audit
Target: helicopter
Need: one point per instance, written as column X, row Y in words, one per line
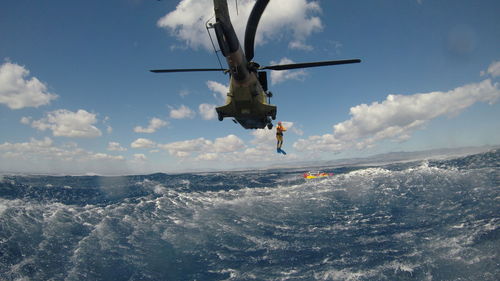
column 248, row 99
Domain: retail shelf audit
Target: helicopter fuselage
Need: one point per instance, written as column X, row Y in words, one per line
column 246, row 101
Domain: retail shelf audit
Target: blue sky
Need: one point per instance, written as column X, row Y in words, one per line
column 76, row 95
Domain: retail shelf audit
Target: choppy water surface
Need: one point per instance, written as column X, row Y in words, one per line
column 426, row 220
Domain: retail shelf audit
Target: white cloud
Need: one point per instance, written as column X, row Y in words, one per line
column 140, row 157
column 42, row 156
column 66, row 123
column 184, row 93
column 17, row 92
column 26, row 120
column 299, row 45
column 46, row 148
column 231, row 150
column 33, row 145
column 207, row 157
column 295, row 19
column 187, row 22
column 109, row 129
column 264, row 146
column 493, row 69
column 279, row 76
column 154, row 124
column 115, row 146
column 207, row 111
column 182, row 112
column 262, row 137
column 333, row 46
column 229, row 143
column 104, row 156
column 398, row 117
column 143, row 143
column 219, row 89
column 182, row 149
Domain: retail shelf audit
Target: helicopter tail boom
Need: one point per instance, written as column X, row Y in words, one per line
column 229, row 43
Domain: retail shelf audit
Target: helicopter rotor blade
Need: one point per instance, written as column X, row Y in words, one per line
column 187, row 70
column 309, row 64
column 251, row 29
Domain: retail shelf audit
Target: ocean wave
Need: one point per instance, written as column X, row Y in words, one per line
column 423, row 220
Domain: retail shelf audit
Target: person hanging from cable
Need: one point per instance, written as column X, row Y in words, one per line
column 279, row 137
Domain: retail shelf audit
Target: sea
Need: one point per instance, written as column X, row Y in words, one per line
column 415, row 220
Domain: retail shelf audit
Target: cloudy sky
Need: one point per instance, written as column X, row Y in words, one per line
column 76, row 96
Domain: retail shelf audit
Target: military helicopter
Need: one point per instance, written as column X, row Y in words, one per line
column 248, row 99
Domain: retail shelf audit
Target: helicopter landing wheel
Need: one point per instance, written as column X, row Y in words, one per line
column 269, row 124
